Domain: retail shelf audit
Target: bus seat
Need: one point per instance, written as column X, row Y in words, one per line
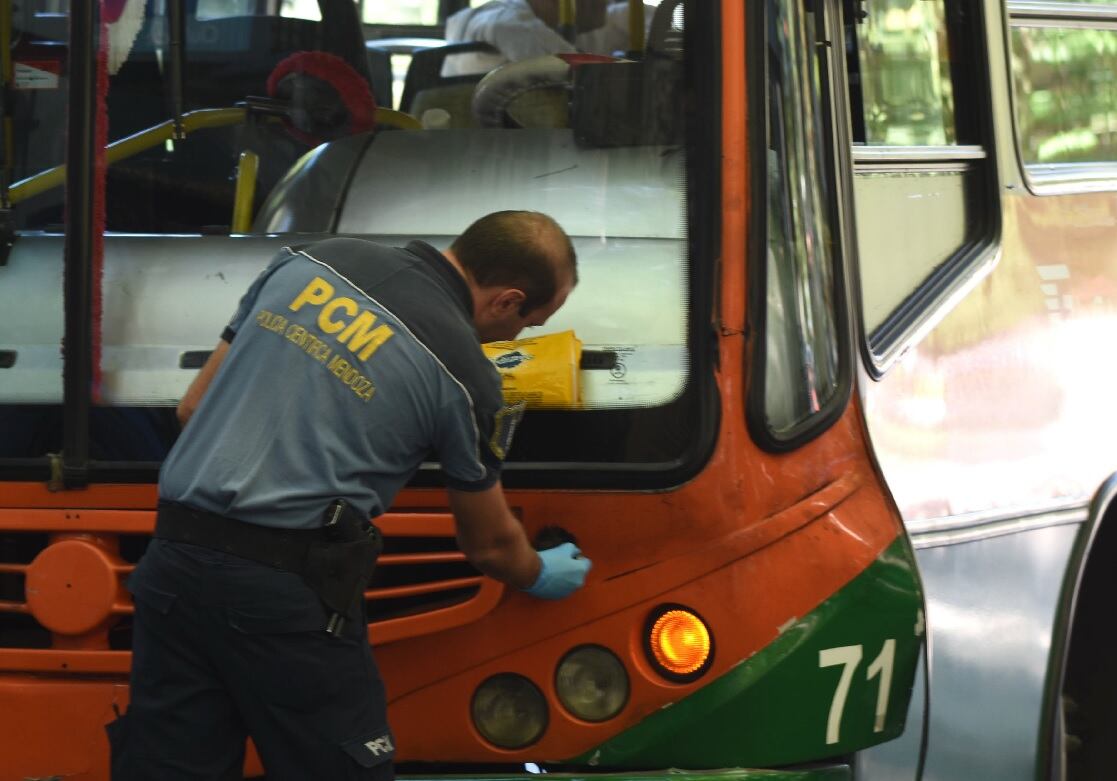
column 455, row 99
column 380, row 75
column 532, row 93
column 425, row 75
column 628, row 103
column 634, row 103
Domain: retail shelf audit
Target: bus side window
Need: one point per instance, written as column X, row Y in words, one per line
column 923, row 171
column 800, row 364
column 1066, row 100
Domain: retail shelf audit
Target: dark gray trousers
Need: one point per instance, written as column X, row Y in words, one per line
column 224, row 649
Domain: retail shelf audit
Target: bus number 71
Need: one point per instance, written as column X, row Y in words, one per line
column 849, row 656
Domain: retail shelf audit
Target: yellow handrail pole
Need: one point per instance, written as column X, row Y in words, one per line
column 400, row 119
column 129, row 146
column 247, row 167
column 567, row 19
column 6, row 41
column 636, row 26
column 199, row 119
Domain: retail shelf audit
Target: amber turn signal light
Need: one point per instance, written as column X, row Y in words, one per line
column 680, row 646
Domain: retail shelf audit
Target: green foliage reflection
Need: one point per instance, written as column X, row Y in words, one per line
column 905, row 67
column 1066, row 94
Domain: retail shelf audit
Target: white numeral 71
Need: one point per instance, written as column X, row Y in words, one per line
column 849, row 656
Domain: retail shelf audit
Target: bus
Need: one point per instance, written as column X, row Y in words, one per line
column 839, row 451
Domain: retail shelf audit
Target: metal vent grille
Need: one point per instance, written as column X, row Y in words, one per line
column 18, row 628
column 416, row 574
column 422, row 584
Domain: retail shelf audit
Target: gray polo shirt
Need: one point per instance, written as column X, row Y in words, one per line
column 349, row 365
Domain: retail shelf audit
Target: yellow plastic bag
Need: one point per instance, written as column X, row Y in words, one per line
column 542, row 371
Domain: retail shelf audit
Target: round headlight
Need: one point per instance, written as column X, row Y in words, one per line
column 509, row 711
column 591, row 683
column 679, row 643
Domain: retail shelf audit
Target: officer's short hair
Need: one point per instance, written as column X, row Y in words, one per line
column 522, row 249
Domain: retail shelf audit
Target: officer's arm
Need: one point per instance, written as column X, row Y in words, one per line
column 492, row 538
column 198, row 387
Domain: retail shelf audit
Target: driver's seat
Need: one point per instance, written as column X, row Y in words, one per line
column 425, row 87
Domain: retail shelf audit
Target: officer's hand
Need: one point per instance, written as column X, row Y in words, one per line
column 563, row 572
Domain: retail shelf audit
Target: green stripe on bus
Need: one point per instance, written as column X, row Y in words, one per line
column 813, row 692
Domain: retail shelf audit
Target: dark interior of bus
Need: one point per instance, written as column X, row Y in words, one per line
column 187, row 185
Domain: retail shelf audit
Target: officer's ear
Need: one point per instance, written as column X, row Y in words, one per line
column 508, row 301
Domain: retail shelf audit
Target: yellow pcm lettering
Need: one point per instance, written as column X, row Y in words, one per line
column 358, row 335
column 333, row 326
column 319, row 291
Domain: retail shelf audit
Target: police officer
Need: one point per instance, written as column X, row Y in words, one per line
column 346, row 365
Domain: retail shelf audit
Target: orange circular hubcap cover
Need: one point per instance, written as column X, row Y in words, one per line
column 71, row 587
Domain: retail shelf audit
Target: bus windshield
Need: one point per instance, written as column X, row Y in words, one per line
column 285, row 121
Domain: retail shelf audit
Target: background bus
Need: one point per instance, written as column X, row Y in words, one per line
column 838, row 262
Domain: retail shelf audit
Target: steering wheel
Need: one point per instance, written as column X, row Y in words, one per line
column 548, row 75
column 328, row 98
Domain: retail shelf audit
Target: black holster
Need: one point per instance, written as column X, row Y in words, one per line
column 339, row 565
column 336, row 560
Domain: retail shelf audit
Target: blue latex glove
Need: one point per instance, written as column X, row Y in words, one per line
column 563, row 572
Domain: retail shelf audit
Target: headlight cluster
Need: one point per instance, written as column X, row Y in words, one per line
column 591, row 683
column 510, row 711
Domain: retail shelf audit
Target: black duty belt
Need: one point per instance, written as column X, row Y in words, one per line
column 284, row 549
column 336, row 560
